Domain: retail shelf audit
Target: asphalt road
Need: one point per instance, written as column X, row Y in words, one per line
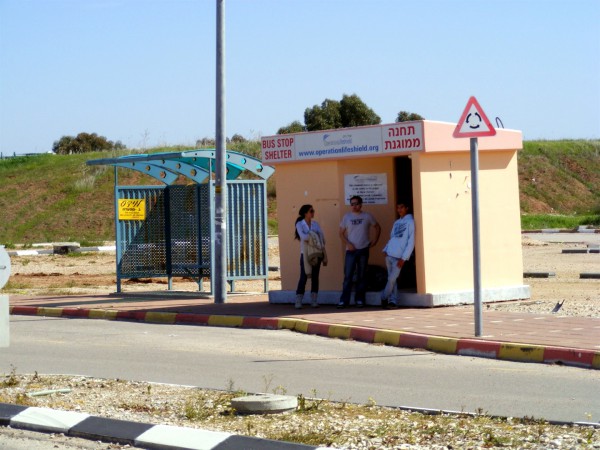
column 262, row 360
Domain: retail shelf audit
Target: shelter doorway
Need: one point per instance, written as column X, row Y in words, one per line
column 407, row 280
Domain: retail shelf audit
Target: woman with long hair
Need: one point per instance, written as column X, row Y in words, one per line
column 312, row 254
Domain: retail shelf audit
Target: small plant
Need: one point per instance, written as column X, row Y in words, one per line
column 268, row 379
column 202, row 407
column 23, row 400
column 281, row 390
column 11, row 380
column 309, row 405
column 230, row 385
column 491, row 440
column 85, row 184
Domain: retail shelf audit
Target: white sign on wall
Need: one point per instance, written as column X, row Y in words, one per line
column 371, row 187
column 342, row 143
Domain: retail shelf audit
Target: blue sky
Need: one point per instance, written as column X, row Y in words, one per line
column 143, row 71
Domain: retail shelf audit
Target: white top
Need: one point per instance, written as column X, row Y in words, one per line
column 357, row 228
column 303, row 229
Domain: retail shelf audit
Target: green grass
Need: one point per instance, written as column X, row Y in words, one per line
column 560, row 177
column 540, row 221
column 49, row 198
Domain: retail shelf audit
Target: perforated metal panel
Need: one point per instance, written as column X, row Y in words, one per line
column 176, row 239
column 189, row 220
column 246, row 225
column 141, row 244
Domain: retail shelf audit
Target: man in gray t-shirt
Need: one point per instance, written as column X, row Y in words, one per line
column 355, row 233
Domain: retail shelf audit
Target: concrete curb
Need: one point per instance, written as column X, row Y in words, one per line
column 510, row 351
column 132, row 433
column 107, row 248
column 538, row 274
column 563, row 230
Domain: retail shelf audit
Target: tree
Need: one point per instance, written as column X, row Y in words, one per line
column 294, row 127
column 324, row 117
column 405, row 116
column 238, row 138
column 84, row 143
column 351, row 111
column 354, row 112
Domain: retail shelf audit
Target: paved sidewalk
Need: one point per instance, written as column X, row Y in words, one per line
column 543, row 338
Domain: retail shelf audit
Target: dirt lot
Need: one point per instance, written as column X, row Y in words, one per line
column 94, row 273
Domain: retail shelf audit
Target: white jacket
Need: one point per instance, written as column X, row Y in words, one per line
column 402, row 238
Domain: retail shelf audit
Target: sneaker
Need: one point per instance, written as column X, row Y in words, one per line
column 392, row 305
column 360, row 304
column 341, row 305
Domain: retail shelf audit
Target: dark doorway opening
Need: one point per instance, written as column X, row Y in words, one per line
column 404, row 193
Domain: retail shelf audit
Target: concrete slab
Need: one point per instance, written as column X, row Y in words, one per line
column 103, row 429
column 47, row 419
column 179, row 438
column 412, row 299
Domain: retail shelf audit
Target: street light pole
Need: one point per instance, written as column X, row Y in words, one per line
column 220, row 169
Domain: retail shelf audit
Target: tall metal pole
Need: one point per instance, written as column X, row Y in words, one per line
column 220, row 169
column 476, row 250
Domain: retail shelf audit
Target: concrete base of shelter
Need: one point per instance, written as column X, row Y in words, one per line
column 413, row 299
column 4, row 320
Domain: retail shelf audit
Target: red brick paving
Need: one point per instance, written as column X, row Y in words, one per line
column 454, row 322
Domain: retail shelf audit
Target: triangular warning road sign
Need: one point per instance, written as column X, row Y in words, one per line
column 473, row 122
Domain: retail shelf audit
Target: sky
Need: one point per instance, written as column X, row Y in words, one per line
column 143, row 72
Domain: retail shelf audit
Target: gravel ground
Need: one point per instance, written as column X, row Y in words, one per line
column 316, row 422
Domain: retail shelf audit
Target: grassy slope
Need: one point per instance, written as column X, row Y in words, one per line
column 59, row 198
column 560, row 177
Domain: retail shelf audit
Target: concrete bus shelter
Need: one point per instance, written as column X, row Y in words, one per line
column 417, row 161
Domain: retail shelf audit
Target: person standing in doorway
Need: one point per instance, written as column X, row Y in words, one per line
column 355, row 233
column 312, row 254
column 397, row 252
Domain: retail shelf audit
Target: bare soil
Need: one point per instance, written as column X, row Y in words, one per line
column 94, row 273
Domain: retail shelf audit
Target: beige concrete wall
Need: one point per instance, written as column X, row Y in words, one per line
column 322, row 185
column 307, row 183
column 445, row 221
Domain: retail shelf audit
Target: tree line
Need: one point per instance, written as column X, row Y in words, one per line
column 84, row 143
column 350, row 111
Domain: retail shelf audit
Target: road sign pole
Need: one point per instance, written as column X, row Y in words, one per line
column 476, row 250
column 473, row 123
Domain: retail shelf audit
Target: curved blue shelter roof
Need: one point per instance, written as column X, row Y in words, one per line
column 193, row 164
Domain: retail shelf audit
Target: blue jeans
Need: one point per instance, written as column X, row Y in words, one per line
column 314, row 278
column 356, row 260
column 391, row 288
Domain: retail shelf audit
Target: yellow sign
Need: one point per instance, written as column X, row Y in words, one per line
column 132, row 209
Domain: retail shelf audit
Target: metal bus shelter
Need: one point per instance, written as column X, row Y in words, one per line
column 169, row 230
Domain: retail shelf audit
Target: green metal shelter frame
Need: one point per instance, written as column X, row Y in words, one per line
column 176, row 235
